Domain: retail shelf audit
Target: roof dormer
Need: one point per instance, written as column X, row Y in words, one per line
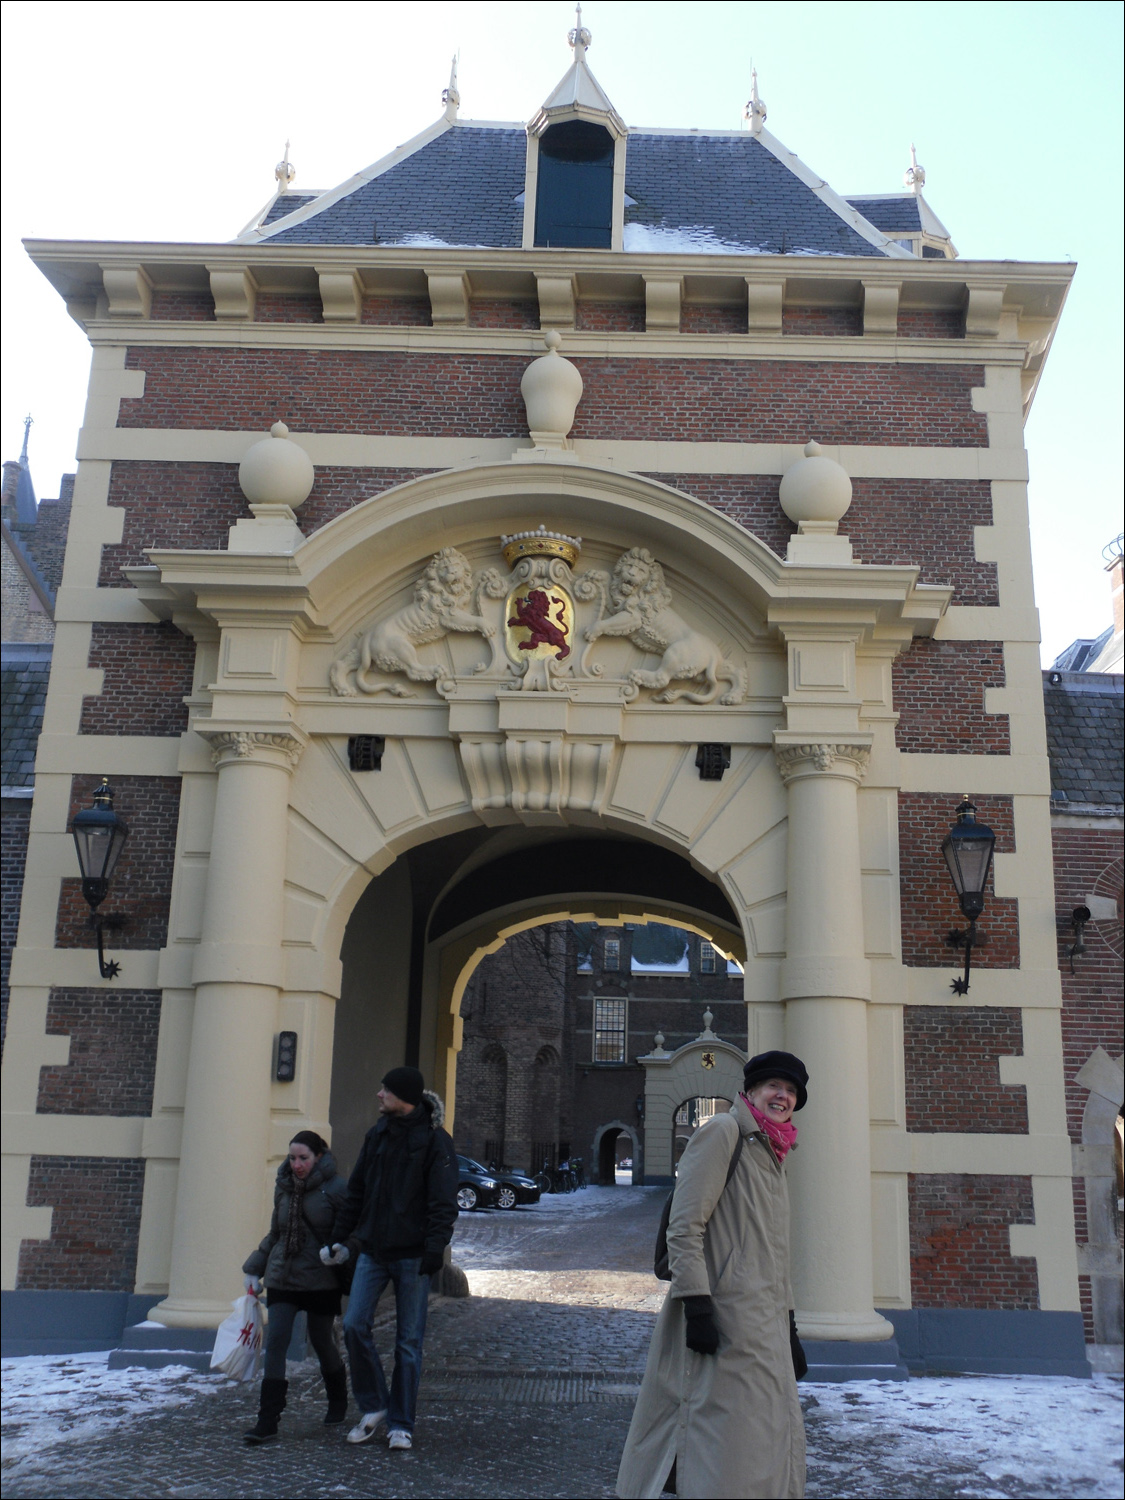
column 574, row 191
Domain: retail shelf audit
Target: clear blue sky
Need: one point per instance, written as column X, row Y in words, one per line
column 163, row 122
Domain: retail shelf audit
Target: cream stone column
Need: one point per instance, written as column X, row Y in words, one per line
column 826, row 983
column 238, row 973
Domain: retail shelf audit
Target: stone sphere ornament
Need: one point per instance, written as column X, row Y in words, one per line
column 276, row 471
column 815, row 488
column 551, row 388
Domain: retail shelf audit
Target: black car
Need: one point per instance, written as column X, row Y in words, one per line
column 476, row 1188
column 513, row 1187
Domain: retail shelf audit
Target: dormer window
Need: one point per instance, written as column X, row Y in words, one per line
column 574, row 190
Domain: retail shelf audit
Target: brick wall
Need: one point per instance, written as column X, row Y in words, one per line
column 141, row 890
column 939, row 691
column 287, row 307
column 952, row 1074
column 13, row 854
column 113, row 1036
column 939, row 539
column 928, row 903
column 702, row 317
column 148, row 673
column 194, row 505
column 825, row 322
column 397, row 312
column 95, row 1226
column 610, row 317
column 191, row 307
column 499, row 312
column 931, row 323
column 663, row 399
column 959, row 1243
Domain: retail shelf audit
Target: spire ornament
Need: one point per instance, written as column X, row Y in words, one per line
column 285, row 172
column 915, row 177
column 579, row 38
column 450, row 96
column 755, row 110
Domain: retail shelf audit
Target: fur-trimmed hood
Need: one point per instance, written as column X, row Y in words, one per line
column 436, row 1107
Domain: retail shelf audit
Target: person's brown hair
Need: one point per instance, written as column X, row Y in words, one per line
column 316, row 1144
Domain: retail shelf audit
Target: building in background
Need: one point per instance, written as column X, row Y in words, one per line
column 649, row 547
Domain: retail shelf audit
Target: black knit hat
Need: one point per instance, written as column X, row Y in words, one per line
column 778, row 1065
column 406, row 1084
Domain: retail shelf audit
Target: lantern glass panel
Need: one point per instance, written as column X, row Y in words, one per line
column 973, row 856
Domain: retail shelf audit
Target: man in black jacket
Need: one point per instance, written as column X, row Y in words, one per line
column 399, row 1214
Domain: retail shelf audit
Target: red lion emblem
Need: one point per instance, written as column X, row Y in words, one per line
column 534, row 614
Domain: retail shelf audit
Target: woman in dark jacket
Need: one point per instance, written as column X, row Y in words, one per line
column 306, row 1201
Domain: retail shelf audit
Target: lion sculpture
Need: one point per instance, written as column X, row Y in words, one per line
column 642, row 605
column 442, row 599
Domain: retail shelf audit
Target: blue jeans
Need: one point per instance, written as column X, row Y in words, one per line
column 369, row 1384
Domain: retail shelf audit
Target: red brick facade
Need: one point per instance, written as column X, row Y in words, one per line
column 959, row 1242
column 95, row 1226
column 952, row 1074
column 705, row 317
column 928, row 903
column 288, row 307
column 497, row 312
column 931, row 323
column 822, row 322
column 939, row 689
column 669, row 400
column 147, row 674
column 396, row 312
column 112, row 1065
column 142, row 886
column 610, row 317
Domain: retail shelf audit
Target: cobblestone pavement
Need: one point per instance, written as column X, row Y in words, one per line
column 528, row 1389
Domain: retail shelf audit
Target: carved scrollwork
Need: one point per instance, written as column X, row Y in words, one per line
column 822, row 756
column 641, row 605
column 446, row 599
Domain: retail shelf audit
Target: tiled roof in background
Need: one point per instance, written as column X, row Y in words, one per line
column 1085, row 739
column 23, row 692
column 692, row 192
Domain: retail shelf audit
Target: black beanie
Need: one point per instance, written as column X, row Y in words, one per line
column 777, row 1065
column 406, row 1084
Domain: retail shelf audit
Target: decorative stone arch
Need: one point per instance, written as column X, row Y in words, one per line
column 296, row 837
column 617, row 1127
column 705, row 1068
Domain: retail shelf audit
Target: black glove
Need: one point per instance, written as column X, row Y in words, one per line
column 701, row 1330
column 432, row 1262
column 800, row 1363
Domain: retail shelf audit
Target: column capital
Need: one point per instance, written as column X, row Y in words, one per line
column 270, row 747
column 822, row 757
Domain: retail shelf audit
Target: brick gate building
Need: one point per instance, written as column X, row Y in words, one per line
column 492, row 638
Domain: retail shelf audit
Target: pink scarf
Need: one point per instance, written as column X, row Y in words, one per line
column 781, row 1137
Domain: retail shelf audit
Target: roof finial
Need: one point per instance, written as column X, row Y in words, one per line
column 755, row 110
column 27, row 421
column 915, row 175
column 578, row 37
column 284, row 172
column 450, row 97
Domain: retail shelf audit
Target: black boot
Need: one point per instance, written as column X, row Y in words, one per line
column 270, row 1407
column 336, row 1387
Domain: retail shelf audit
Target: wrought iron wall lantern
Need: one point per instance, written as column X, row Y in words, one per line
column 99, row 837
column 1078, row 919
column 968, row 850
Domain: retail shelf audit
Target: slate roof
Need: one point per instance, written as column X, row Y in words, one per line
column 691, row 191
column 23, row 691
column 1085, row 740
column 893, row 213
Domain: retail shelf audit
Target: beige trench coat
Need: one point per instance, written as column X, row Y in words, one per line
column 732, row 1421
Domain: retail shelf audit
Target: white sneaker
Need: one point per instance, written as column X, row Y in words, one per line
column 400, row 1439
column 365, row 1429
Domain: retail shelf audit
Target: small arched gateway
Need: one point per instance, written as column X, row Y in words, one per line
column 708, row 1067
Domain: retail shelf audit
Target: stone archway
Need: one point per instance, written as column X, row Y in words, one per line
column 294, row 831
column 603, row 1153
column 709, row 1067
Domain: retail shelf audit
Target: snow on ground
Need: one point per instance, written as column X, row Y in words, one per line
column 50, row 1399
column 1025, row 1435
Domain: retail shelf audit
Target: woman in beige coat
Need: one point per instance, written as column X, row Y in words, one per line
column 719, row 1398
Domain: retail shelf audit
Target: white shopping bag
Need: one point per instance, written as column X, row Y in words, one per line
column 238, row 1341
